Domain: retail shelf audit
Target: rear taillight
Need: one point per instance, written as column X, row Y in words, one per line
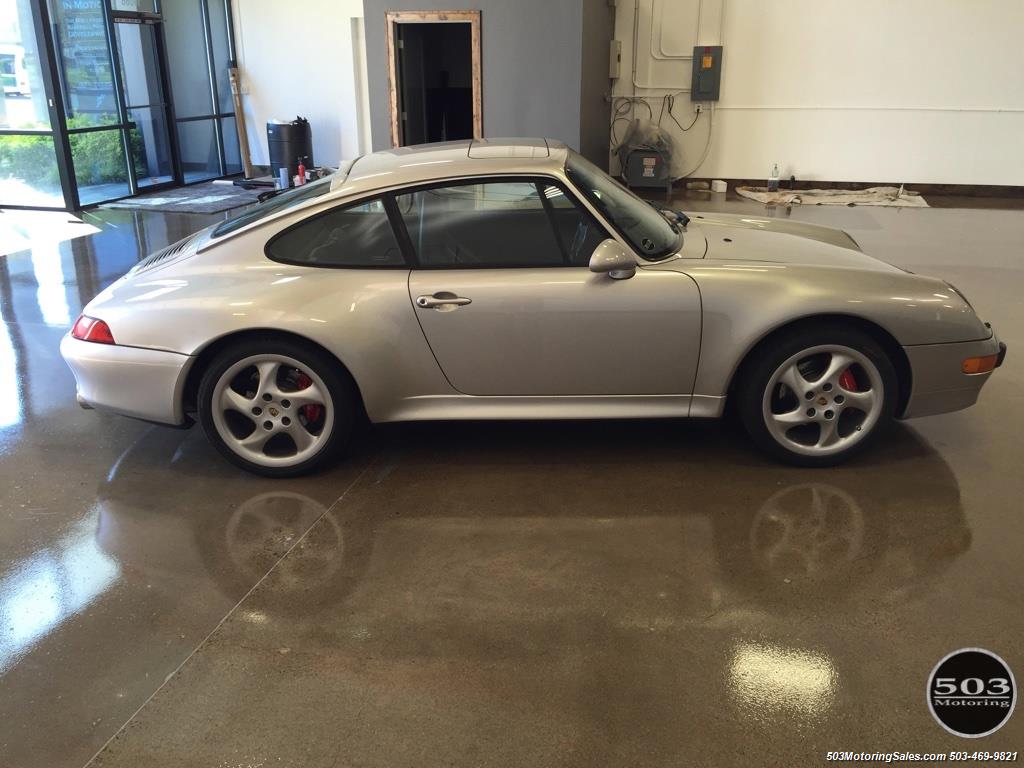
column 90, row 329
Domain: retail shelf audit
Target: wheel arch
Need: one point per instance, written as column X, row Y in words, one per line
column 880, row 335
column 206, row 354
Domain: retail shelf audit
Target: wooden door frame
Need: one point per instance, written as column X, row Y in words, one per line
column 392, row 18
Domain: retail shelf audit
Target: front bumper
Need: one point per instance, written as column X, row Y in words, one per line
column 939, row 384
column 131, row 381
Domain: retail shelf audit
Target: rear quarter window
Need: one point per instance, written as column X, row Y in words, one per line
column 281, row 201
column 358, row 235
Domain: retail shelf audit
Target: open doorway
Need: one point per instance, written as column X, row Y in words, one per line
column 434, row 76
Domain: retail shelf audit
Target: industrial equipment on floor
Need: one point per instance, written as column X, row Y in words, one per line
column 645, row 156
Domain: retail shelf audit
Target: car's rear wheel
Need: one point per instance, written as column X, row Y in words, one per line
column 276, row 408
column 816, row 396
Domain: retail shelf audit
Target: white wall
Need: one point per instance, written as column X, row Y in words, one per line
column 928, row 91
column 304, row 58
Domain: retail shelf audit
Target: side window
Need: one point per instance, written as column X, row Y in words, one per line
column 489, row 224
column 358, row 235
column 579, row 231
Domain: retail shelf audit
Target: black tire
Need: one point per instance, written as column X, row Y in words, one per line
column 756, row 373
column 339, row 384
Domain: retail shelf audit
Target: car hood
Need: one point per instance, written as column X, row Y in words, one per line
column 753, row 238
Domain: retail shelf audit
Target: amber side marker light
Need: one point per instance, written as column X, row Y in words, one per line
column 90, row 329
column 979, row 364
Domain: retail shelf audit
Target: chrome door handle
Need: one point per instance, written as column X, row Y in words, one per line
column 442, row 299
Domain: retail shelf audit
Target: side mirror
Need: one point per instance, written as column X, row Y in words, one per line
column 612, row 259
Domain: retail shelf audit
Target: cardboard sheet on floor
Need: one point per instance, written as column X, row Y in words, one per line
column 886, row 196
column 21, row 230
column 211, row 197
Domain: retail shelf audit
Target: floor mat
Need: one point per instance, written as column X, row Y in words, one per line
column 890, row 196
column 199, row 198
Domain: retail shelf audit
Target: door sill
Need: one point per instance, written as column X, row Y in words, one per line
column 457, row 407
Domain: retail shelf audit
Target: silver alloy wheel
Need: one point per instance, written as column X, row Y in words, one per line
column 827, row 417
column 277, row 413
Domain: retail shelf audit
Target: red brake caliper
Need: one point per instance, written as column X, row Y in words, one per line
column 312, row 411
column 848, row 381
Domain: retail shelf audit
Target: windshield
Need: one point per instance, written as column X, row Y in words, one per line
column 650, row 234
column 279, row 202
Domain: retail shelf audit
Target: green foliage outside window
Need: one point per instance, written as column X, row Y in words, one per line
column 30, row 158
column 98, row 156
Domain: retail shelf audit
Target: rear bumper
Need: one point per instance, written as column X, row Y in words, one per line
column 142, row 383
column 939, row 384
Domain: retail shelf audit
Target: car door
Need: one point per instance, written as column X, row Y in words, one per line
column 508, row 305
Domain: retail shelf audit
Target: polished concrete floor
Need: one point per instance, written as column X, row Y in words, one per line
column 540, row 594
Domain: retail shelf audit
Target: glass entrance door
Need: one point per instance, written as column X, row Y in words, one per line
column 110, row 67
column 31, row 173
column 103, row 99
column 94, row 114
column 146, row 102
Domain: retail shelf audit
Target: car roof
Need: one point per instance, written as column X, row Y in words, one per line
column 450, row 159
column 425, row 163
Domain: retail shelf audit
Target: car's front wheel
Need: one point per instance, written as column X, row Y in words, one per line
column 816, row 396
column 276, row 408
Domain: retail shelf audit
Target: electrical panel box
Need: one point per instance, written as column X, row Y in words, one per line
column 707, row 73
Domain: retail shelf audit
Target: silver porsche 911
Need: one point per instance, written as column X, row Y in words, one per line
column 515, row 280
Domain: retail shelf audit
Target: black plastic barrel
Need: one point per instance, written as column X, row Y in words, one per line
column 287, row 142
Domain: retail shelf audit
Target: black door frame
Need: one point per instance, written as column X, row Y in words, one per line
column 123, row 126
column 155, row 20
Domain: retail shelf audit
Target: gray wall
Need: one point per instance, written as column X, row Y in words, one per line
column 595, row 85
column 531, row 60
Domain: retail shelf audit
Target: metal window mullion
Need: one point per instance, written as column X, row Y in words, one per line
column 136, row 17
column 197, row 118
column 146, row 106
column 208, row 34
column 16, row 207
column 219, row 134
column 53, row 83
column 122, row 108
column 169, row 115
column 231, row 33
column 98, row 128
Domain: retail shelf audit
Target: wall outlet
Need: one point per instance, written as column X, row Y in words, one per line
column 698, row 108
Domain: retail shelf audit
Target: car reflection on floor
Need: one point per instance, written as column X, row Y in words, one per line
column 813, row 537
column 467, row 548
column 528, row 570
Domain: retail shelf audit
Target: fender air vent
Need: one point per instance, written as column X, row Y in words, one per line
column 164, row 255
